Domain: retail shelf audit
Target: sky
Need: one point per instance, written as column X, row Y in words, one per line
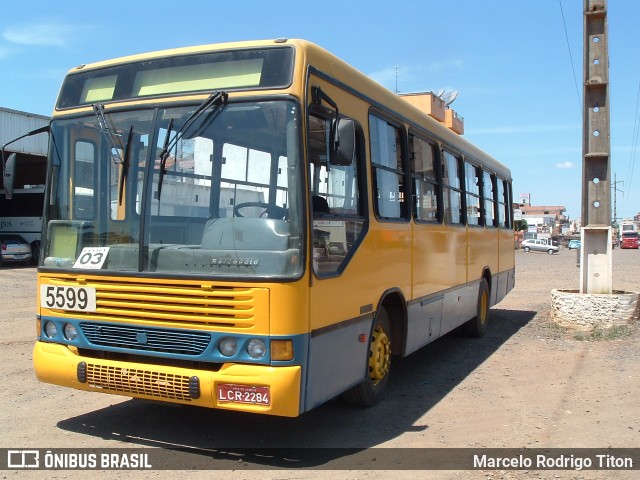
column 517, row 65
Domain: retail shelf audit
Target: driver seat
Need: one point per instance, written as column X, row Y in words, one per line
column 319, row 205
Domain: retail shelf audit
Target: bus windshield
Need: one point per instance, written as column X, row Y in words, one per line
column 163, row 190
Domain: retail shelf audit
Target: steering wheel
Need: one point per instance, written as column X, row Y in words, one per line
column 270, row 211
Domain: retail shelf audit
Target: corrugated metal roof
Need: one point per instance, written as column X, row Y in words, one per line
column 14, row 123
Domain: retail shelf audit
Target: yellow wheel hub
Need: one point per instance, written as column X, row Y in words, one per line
column 484, row 308
column 379, row 355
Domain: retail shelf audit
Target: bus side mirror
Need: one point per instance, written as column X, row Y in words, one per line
column 9, row 174
column 345, row 143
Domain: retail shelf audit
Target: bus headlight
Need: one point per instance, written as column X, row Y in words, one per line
column 50, row 329
column 228, row 347
column 70, row 332
column 256, row 348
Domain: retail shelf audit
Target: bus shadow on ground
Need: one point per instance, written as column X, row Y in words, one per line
column 326, row 437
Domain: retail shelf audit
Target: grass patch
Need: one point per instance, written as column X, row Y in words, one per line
column 556, row 327
column 616, row 332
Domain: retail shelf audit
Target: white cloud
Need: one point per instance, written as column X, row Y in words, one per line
column 565, row 165
column 40, row 34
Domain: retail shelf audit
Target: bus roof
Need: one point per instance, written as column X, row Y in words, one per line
column 177, row 52
column 338, row 71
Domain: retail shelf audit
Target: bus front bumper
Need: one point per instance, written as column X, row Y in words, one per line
column 249, row 388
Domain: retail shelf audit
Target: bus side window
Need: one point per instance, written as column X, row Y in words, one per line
column 318, row 153
column 336, row 189
column 424, row 161
column 503, row 195
column 472, row 175
column 390, row 198
column 452, row 193
column 335, row 198
column 489, row 201
column 509, row 203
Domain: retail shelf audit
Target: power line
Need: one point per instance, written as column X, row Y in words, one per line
column 573, row 70
column 615, row 190
column 634, row 144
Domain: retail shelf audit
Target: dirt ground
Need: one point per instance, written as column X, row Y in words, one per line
column 526, row 384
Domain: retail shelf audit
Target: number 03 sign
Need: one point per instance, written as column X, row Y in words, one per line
column 92, row 258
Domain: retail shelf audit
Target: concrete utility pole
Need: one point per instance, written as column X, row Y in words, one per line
column 595, row 256
column 590, row 307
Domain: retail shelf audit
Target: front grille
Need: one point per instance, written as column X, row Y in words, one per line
column 221, row 306
column 188, row 302
column 179, row 342
column 138, row 382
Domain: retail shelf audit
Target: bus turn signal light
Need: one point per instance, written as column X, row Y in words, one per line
column 281, row 350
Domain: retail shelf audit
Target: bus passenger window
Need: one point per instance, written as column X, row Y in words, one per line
column 472, row 175
column 424, row 159
column 489, row 202
column 386, row 159
column 452, row 193
column 503, row 195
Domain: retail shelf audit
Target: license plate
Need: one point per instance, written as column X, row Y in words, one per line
column 229, row 393
column 78, row 299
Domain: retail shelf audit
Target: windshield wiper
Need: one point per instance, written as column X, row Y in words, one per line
column 125, row 165
column 215, row 99
column 98, row 110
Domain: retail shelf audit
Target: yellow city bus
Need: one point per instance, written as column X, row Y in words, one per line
column 257, row 227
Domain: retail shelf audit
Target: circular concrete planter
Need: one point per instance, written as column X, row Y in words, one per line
column 585, row 311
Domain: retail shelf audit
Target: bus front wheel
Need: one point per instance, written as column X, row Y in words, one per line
column 371, row 391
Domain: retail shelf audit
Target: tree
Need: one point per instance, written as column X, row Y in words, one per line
column 521, row 225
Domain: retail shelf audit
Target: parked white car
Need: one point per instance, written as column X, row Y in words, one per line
column 539, row 246
column 14, row 249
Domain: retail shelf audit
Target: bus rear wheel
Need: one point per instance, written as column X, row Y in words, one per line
column 477, row 326
column 371, row 391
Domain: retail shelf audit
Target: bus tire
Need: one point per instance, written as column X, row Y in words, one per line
column 477, row 326
column 35, row 252
column 371, row 391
